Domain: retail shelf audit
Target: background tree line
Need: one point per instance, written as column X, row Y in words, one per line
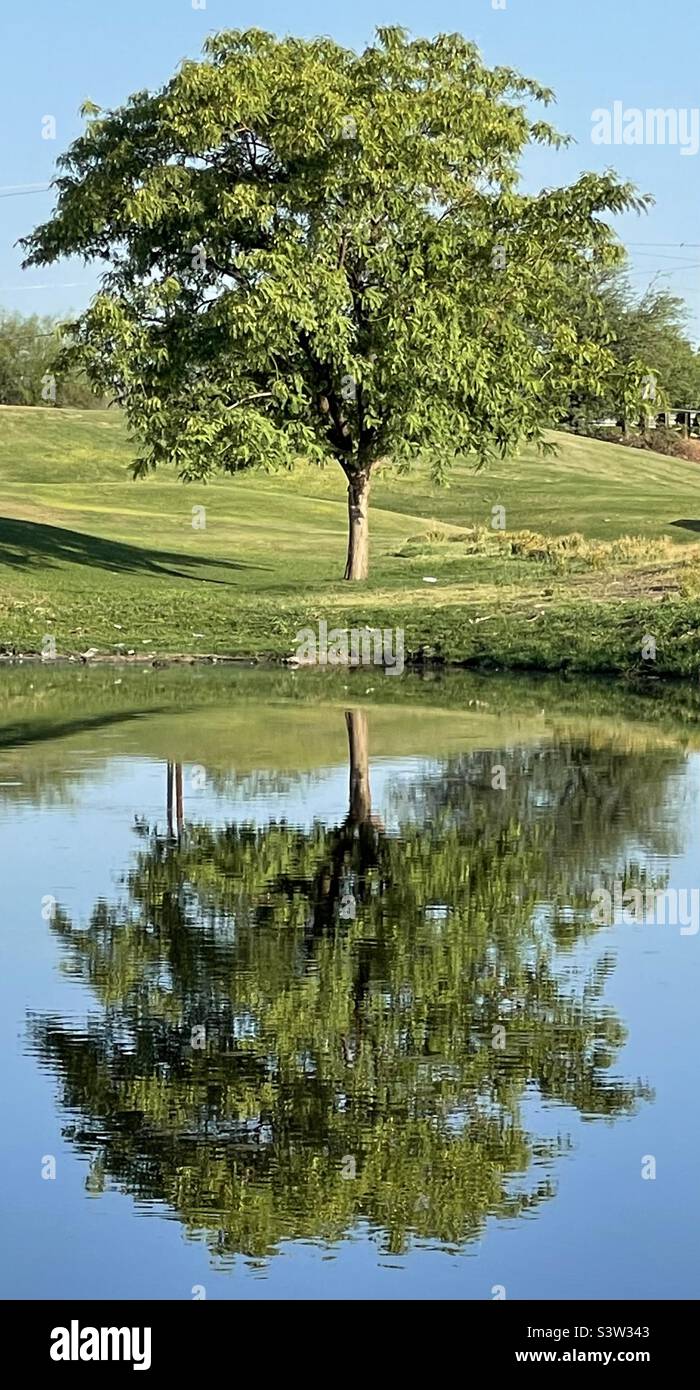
column 29, row 371
column 652, row 327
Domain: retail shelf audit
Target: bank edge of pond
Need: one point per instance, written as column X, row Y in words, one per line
column 657, row 640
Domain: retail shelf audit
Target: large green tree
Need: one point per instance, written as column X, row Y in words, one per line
column 317, row 253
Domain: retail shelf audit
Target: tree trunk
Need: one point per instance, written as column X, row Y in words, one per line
column 170, row 801
column 360, row 808
column 358, row 527
column 179, row 801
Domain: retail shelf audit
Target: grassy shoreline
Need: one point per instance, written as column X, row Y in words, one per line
column 594, row 639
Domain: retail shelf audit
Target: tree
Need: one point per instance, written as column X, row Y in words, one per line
column 653, row 326
column 26, row 353
column 324, row 254
column 648, row 328
column 30, row 373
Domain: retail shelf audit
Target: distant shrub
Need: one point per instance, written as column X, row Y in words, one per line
column 607, row 434
column 661, row 440
column 437, row 533
column 666, row 441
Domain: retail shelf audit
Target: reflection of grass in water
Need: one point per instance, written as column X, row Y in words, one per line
column 236, row 722
column 57, row 702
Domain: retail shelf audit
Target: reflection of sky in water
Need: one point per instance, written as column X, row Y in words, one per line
column 606, row 1233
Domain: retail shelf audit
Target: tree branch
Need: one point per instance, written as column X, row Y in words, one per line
column 256, row 396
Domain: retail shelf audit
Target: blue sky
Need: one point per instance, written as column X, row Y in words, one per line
column 592, row 52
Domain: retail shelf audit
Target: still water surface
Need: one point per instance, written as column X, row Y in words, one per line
column 301, row 990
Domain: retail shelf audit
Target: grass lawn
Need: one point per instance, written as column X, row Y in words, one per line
column 96, row 560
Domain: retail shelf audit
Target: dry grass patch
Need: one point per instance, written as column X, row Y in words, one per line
column 561, row 553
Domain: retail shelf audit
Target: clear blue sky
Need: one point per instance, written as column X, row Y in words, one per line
column 592, row 52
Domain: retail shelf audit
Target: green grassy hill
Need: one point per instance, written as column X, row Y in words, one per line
column 96, row 559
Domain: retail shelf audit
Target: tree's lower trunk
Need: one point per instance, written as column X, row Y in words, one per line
column 179, row 810
column 358, row 527
column 175, row 800
column 169, row 798
column 360, row 808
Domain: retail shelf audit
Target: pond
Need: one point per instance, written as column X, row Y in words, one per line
column 309, row 987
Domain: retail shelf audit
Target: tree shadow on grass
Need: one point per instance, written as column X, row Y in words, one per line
column 687, row 525
column 29, row 544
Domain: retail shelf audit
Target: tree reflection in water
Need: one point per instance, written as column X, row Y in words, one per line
column 303, row 1030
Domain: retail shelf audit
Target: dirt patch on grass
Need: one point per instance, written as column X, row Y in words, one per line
column 652, row 582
